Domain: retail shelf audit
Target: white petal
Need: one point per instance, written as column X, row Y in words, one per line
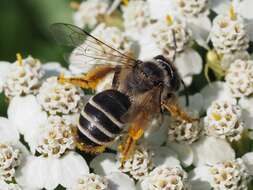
column 23, row 110
column 104, row 164
column 4, row 69
column 39, row 172
column 187, row 80
column 53, row 69
column 159, row 9
column 120, row 181
column 72, row 167
column 247, row 114
column 165, row 156
column 29, row 123
column 8, row 132
column 188, row 63
column 196, row 102
column 210, row 150
column 248, row 160
column 184, row 153
column 200, row 27
column 156, row 134
column 215, row 91
column 220, row 6
column 200, row 178
column 244, row 8
column 148, row 47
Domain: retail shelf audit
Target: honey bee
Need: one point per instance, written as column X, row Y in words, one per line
column 140, row 92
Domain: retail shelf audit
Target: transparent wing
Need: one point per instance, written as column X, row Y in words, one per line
column 88, row 49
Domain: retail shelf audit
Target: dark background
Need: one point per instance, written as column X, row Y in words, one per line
column 25, row 28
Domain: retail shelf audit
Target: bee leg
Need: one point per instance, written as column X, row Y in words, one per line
column 89, row 80
column 135, row 132
column 177, row 112
column 89, row 149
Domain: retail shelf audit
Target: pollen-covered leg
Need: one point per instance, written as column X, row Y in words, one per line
column 79, row 144
column 89, row 149
column 127, row 149
column 177, row 112
column 89, row 80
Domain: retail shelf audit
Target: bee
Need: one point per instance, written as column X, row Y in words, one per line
column 140, row 92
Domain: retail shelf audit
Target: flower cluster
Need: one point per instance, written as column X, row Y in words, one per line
column 229, row 175
column 223, row 120
column 202, row 140
column 9, row 160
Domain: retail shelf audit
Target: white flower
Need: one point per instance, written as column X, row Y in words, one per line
column 59, row 98
column 139, row 164
column 183, row 132
column 58, row 137
column 192, row 7
column 210, row 150
column 12, row 154
column 222, row 175
column 228, row 59
column 88, row 11
column 216, row 91
column 242, row 7
column 229, row 35
column 51, row 171
column 23, row 78
column 60, row 166
column 112, row 181
column 9, row 160
column 90, row 182
column 136, row 16
column 195, row 14
column 223, row 120
column 170, row 37
column 164, row 177
column 182, row 135
column 229, row 175
column 239, row 78
column 112, row 36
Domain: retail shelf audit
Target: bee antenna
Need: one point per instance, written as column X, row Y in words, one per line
column 186, row 93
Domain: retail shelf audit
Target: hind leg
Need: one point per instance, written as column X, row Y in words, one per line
column 89, row 80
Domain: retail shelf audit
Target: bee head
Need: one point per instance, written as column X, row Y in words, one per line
column 171, row 79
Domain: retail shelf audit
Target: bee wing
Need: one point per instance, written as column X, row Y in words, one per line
column 148, row 105
column 88, row 48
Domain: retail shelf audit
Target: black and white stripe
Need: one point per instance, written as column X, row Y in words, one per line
column 99, row 122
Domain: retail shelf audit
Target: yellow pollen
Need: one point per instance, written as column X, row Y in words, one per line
column 169, row 19
column 232, row 13
column 216, row 116
column 125, row 2
column 19, row 59
column 74, row 5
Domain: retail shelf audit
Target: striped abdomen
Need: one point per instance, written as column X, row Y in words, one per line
column 99, row 122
